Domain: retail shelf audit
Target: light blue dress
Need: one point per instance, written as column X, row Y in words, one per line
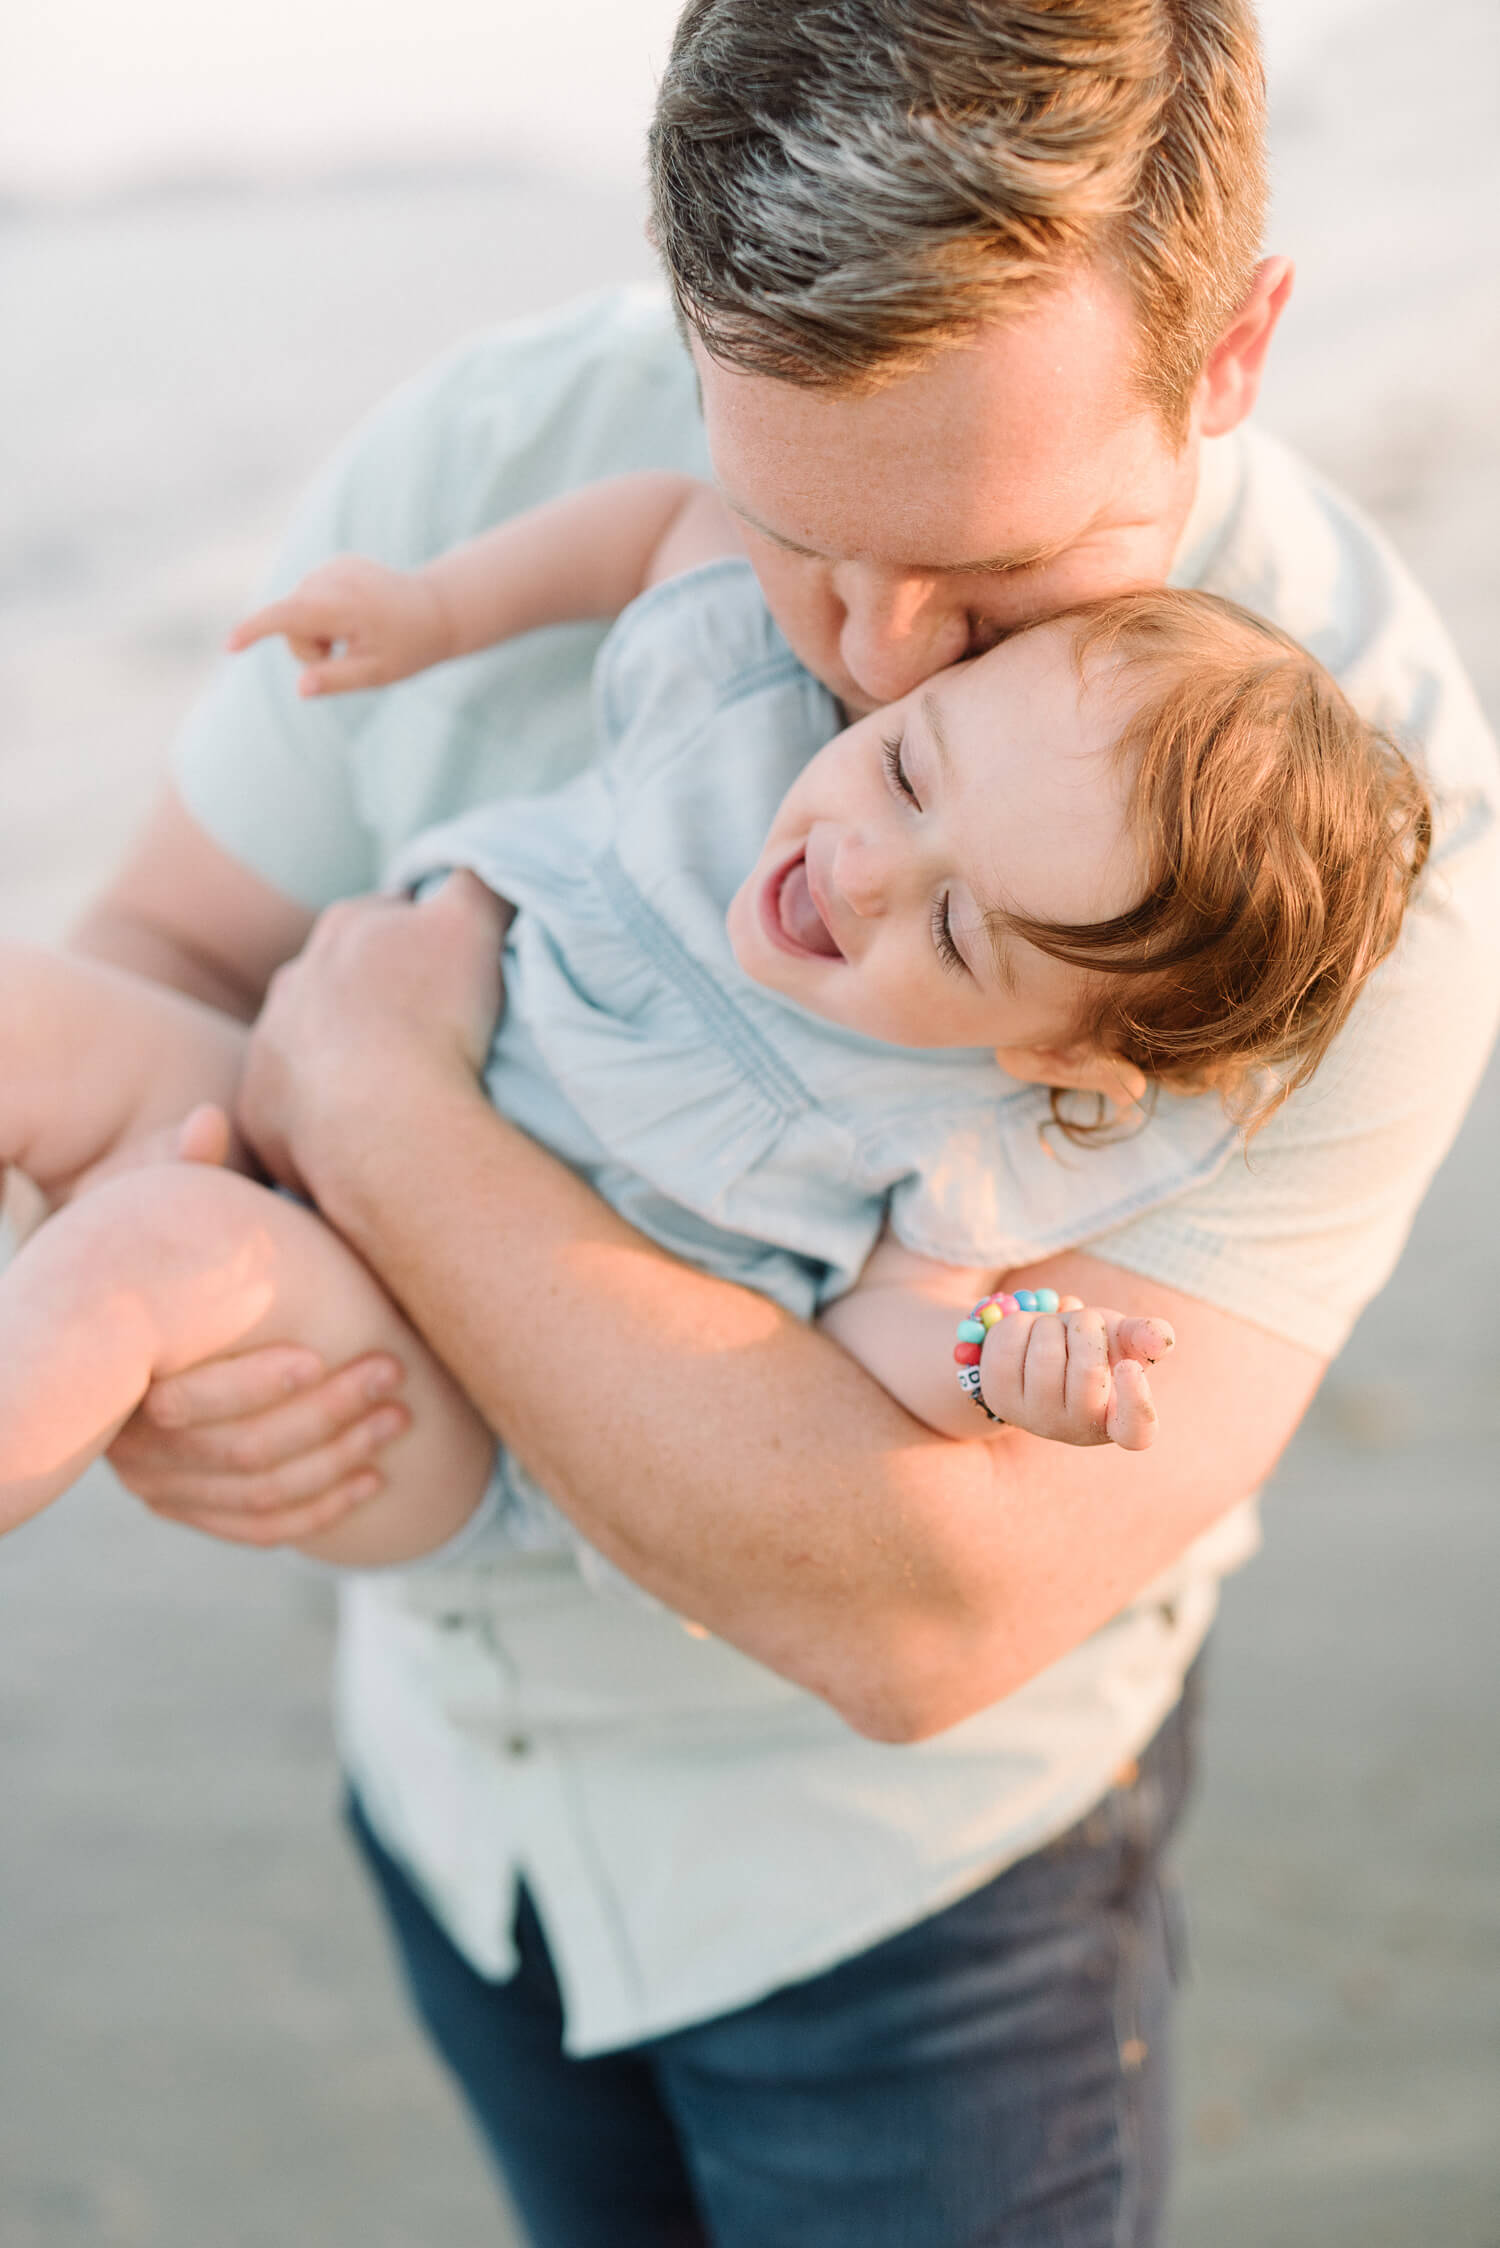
column 742, row 1133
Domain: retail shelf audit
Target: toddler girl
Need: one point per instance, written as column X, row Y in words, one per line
column 814, row 1028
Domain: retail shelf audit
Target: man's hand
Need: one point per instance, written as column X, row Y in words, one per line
column 264, row 1448
column 383, row 991
column 354, row 624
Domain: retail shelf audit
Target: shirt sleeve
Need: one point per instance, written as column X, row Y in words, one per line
column 268, row 776
column 313, row 796
column 1301, row 1229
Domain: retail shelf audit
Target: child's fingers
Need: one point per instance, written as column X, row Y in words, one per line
column 1088, row 1387
column 1050, row 1374
column 1044, row 1376
column 1131, row 1422
column 290, row 619
column 346, row 674
column 248, row 631
column 1003, row 1365
column 1147, row 1340
column 204, row 1135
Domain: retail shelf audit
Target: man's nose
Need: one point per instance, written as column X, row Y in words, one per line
column 897, row 630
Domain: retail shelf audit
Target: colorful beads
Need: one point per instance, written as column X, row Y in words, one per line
column 972, row 1329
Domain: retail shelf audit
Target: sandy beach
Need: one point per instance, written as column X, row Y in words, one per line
column 203, row 2046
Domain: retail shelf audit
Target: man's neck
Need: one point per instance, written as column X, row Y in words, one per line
column 1219, row 471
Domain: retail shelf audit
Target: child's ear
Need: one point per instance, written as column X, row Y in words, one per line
column 1080, row 1069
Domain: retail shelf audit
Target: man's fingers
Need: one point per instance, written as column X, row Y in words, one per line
column 290, row 1526
column 463, row 895
column 233, row 1389
column 178, row 1466
column 230, row 1388
column 1132, row 1414
column 251, row 1493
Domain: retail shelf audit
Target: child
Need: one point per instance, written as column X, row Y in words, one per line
column 1149, row 839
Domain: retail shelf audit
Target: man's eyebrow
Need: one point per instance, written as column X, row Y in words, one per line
column 994, row 565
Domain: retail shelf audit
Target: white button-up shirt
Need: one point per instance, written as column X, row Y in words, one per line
column 695, row 1830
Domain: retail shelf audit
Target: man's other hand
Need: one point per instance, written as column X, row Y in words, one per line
column 264, row 1448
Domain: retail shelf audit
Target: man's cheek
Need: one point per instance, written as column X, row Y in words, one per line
column 804, row 609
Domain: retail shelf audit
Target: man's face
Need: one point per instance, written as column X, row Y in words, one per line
column 1012, row 476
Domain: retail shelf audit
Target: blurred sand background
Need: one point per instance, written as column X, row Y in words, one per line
column 202, row 2045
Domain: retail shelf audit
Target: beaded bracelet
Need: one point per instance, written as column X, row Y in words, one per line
column 976, row 1324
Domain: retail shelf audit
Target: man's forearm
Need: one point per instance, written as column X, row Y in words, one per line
column 183, row 913
column 747, row 1472
column 124, row 940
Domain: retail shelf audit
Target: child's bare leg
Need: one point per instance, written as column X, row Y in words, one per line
column 92, row 1058
column 162, row 1267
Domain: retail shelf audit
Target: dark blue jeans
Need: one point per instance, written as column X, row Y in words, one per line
column 996, row 2075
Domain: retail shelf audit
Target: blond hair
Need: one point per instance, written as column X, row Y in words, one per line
column 1282, row 835
column 841, row 186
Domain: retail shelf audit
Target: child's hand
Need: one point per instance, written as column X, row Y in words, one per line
column 355, row 624
column 1076, row 1375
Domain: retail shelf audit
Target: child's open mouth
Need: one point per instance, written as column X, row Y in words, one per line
column 791, row 916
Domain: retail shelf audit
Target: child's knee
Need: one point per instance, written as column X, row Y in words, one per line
column 196, row 1249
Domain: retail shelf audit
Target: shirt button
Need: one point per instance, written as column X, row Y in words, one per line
column 519, row 1744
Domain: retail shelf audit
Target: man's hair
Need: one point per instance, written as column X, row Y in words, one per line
column 1282, row 837
column 841, row 186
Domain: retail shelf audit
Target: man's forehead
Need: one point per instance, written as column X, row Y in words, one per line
column 1000, row 450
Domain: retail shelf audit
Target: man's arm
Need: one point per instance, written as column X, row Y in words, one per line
column 726, row 1457
column 182, row 912
column 758, row 1480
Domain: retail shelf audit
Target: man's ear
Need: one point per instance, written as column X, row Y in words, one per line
column 1230, row 381
column 1080, row 1069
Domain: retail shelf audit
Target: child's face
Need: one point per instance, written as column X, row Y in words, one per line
column 992, row 786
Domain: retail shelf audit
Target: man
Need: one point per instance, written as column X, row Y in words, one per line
column 862, row 1938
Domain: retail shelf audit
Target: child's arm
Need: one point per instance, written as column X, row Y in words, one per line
column 1076, row 1376
column 355, row 623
